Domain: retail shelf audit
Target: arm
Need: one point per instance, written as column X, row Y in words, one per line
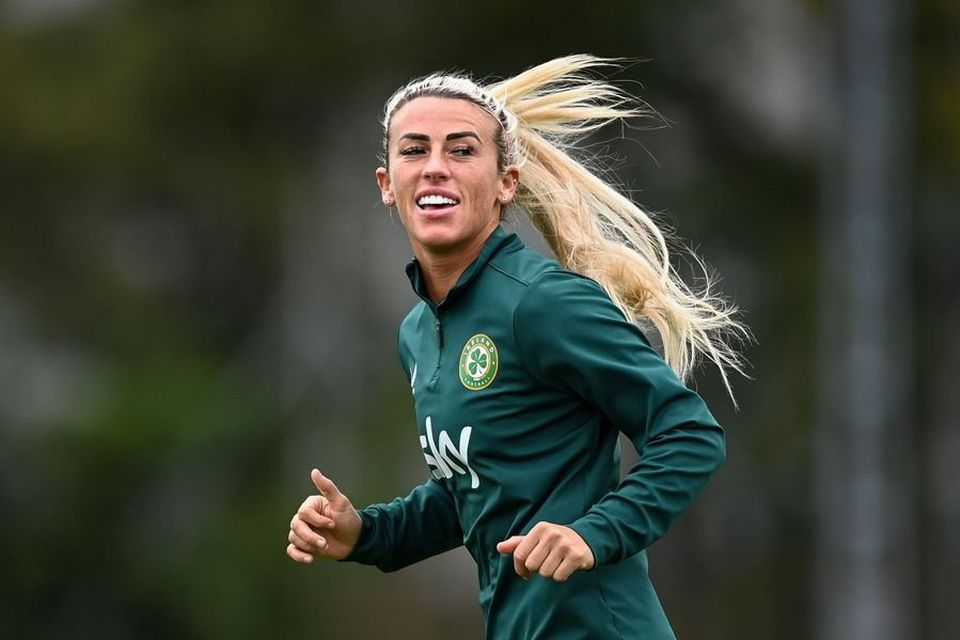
column 390, row 536
column 571, row 335
column 407, row 530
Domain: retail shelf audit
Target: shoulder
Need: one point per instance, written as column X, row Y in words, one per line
column 566, row 312
column 522, row 266
column 558, row 295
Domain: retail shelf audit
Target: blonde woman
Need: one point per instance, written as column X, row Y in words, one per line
column 525, row 369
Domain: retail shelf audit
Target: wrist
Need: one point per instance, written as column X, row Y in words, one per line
column 361, row 540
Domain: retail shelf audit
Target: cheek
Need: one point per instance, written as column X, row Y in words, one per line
column 485, row 181
column 399, row 180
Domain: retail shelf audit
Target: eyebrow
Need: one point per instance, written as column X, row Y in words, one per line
column 456, row 135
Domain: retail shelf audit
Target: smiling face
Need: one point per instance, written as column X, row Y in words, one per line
column 443, row 176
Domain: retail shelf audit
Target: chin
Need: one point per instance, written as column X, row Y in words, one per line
column 439, row 240
column 443, row 235
column 440, row 244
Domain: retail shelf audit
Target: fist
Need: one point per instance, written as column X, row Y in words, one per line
column 325, row 525
column 552, row 550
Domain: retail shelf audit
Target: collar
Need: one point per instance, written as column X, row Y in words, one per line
column 498, row 241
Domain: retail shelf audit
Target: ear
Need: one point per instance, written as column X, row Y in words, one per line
column 386, row 188
column 509, row 180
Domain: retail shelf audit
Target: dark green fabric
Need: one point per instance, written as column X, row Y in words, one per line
column 540, row 444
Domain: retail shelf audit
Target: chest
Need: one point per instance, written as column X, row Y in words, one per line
column 480, row 412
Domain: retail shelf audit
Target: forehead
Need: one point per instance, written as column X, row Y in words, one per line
column 440, row 115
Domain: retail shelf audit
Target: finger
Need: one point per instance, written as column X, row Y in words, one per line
column 313, row 503
column 551, row 563
column 520, row 569
column 326, row 487
column 315, row 519
column 303, row 530
column 523, row 550
column 565, row 570
column 301, row 544
column 510, row 544
column 299, row 556
column 538, row 555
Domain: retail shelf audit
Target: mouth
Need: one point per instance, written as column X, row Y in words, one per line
column 436, row 202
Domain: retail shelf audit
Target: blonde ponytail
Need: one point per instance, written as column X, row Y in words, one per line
column 591, row 227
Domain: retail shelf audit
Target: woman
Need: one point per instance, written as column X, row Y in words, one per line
column 524, row 371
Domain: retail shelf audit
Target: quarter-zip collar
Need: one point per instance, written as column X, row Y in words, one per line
column 497, row 242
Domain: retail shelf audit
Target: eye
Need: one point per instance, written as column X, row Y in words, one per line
column 462, row 150
column 412, row 150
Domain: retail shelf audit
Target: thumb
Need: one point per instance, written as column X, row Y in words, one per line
column 510, row 544
column 326, row 487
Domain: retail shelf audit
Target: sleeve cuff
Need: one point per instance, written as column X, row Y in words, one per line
column 363, row 551
column 595, row 531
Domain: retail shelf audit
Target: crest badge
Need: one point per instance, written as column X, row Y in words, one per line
column 479, row 362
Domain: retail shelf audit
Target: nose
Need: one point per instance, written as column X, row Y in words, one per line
column 435, row 168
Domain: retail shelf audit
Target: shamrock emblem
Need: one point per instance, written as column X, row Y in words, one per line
column 477, row 362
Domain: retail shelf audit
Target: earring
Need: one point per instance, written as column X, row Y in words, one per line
column 388, row 202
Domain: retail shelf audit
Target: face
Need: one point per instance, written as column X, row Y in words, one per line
column 443, row 175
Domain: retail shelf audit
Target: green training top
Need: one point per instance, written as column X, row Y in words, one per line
column 522, row 378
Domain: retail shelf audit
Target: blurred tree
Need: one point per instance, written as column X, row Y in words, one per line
column 865, row 493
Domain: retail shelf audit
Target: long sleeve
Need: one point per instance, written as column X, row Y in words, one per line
column 572, row 336
column 407, row 530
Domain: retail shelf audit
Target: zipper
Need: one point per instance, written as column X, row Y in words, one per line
column 439, row 326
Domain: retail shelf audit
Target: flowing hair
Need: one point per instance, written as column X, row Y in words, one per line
column 591, row 227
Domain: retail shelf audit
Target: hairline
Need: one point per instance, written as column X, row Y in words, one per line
column 436, row 92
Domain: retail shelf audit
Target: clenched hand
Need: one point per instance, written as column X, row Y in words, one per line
column 552, row 550
column 325, row 525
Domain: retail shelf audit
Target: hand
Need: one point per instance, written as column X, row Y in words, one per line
column 552, row 550
column 326, row 525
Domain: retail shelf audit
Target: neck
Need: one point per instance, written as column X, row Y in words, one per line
column 441, row 270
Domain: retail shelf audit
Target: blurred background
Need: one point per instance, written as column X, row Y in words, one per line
column 199, row 294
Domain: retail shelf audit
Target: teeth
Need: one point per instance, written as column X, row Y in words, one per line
column 425, row 200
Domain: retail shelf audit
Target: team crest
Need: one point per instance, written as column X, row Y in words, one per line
column 479, row 362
